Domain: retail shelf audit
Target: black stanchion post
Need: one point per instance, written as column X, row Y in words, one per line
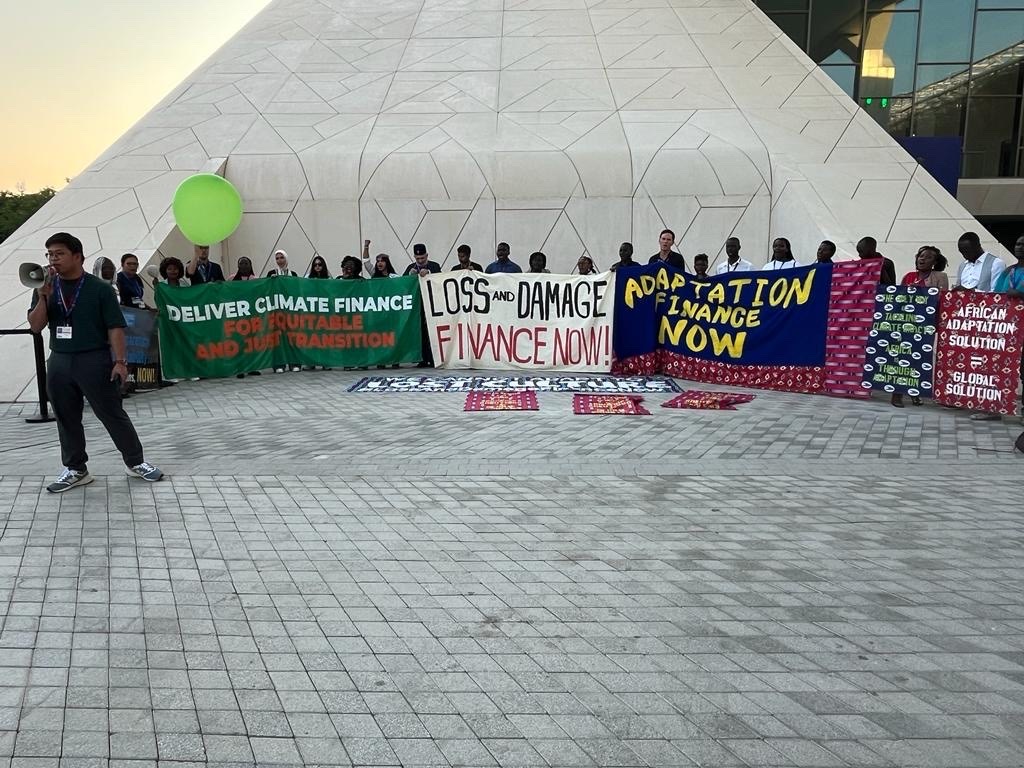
column 44, row 411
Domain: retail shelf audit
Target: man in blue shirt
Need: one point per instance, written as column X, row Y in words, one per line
column 503, row 263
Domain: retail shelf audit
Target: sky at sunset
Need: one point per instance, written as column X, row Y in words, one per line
column 78, row 73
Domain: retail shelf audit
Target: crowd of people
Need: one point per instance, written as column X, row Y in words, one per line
column 979, row 270
column 88, row 347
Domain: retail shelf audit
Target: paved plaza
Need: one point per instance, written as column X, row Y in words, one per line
column 382, row 579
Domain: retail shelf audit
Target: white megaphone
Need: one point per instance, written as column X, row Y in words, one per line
column 32, row 275
column 152, row 272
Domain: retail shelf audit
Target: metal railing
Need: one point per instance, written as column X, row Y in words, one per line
column 40, row 354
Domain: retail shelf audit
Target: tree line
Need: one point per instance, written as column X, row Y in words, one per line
column 17, row 207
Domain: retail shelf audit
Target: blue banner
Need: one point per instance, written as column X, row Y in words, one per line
column 900, row 353
column 142, row 348
column 764, row 318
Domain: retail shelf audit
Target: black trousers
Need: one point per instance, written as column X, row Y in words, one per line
column 426, row 353
column 71, row 379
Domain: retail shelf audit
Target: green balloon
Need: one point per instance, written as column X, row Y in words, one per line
column 207, row 208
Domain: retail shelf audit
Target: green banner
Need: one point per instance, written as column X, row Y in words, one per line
column 221, row 329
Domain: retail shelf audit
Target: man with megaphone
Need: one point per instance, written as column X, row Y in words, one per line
column 85, row 324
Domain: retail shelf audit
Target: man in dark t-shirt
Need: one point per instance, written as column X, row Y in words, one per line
column 463, row 253
column 625, row 257
column 85, row 323
column 867, row 248
column 666, row 240
column 423, row 266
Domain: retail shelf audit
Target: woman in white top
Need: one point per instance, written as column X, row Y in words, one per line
column 281, row 269
column 782, row 256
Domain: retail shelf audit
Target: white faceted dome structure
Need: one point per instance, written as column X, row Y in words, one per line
column 565, row 126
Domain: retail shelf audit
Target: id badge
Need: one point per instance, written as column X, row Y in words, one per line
column 64, row 332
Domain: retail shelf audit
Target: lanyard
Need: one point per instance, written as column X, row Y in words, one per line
column 135, row 283
column 74, row 300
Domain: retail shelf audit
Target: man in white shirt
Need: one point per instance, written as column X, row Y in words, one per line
column 978, row 272
column 980, row 269
column 733, row 262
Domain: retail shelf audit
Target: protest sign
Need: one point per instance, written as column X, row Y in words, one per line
column 752, row 322
column 979, row 351
column 142, row 348
column 221, row 329
column 517, row 321
column 900, row 351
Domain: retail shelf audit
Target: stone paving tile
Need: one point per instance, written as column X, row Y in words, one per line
column 389, row 581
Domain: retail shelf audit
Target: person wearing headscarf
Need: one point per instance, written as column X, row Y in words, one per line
column 104, row 269
column 585, row 266
column 281, row 268
column 318, row 269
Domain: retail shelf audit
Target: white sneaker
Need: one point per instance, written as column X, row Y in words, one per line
column 69, row 479
column 146, row 471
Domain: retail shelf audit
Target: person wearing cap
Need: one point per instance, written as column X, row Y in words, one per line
column 421, row 265
column 463, row 253
column 502, row 262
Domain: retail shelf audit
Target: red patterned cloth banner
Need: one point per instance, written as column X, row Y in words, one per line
column 501, row 401
column 786, row 378
column 623, row 405
column 978, row 363
column 851, row 311
column 708, row 401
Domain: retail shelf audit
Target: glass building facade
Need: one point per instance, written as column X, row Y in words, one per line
column 925, row 68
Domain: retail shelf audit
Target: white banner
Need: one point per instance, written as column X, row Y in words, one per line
column 520, row 321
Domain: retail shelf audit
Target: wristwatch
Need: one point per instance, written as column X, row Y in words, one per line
column 121, row 362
